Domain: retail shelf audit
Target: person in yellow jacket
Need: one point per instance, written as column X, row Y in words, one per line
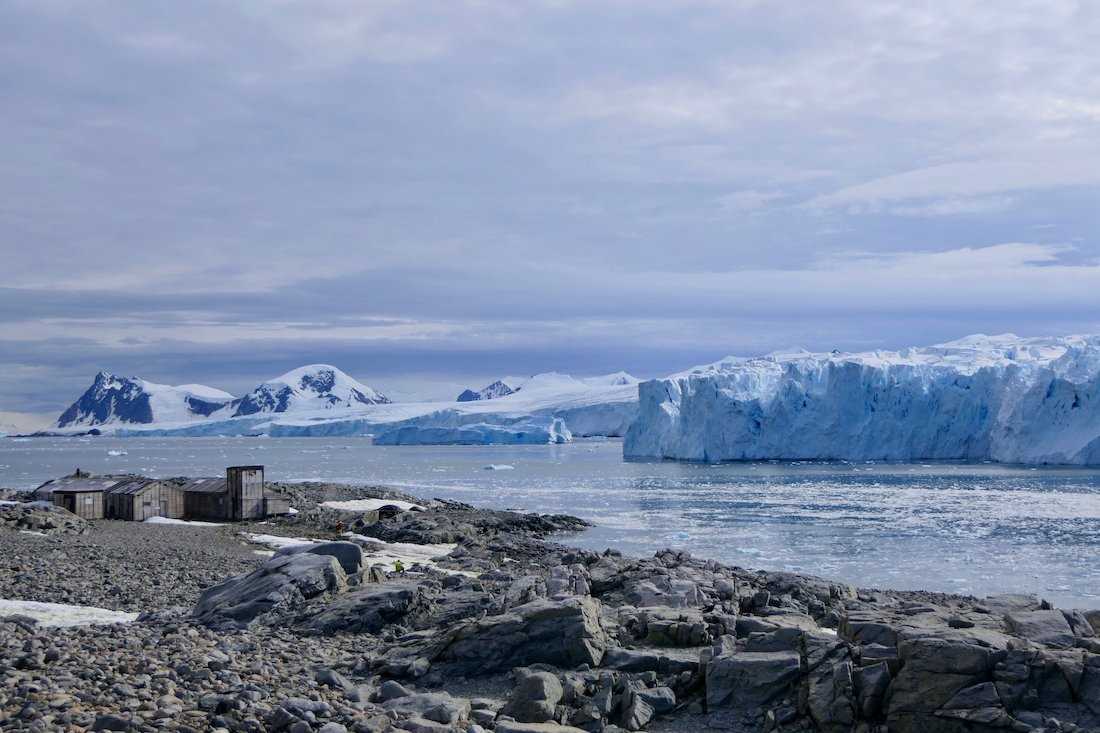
column 399, row 567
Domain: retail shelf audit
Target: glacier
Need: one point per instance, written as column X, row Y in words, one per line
column 981, row 398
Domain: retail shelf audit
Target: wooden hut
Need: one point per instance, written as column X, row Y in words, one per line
column 245, row 486
column 141, row 498
column 205, row 498
column 81, row 496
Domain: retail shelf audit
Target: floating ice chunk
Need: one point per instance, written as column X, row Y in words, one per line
column 499, row 467
column 117, row 453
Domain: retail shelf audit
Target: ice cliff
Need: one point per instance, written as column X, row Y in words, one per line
column 1001, row 398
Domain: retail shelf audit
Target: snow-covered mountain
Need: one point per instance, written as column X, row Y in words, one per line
column 322, row 400
column 313, row 387
column 499, row 388
column 113, row 400
column 1002, row 398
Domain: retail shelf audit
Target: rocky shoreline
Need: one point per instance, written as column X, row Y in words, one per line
column 302, row 624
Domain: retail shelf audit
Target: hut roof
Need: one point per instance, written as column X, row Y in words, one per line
column 205, row 485
column 131, row 486
column 81, row 485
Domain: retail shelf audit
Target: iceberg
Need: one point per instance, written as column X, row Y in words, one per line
column 999, row 398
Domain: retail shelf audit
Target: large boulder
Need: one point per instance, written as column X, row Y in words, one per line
column 438, row 707
column 534, row 697
column 562, row 632
column 349, row 554
column 370, row 608
column 1047, row 627
column 746, row 680
column 280, row 585
column 933, row 672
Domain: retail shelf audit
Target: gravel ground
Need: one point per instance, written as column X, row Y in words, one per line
column 124, row 566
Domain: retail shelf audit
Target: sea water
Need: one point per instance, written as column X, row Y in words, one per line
column 961, row 528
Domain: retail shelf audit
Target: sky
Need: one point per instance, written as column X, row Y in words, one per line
column 430, row 195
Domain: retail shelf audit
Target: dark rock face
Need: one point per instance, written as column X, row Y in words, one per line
column 264, row 398
column 565, row 633
column 281, row 585
column 371, row 608
column 490, row 392
column 109, row 397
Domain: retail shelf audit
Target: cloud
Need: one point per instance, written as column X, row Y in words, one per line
column 464, row 189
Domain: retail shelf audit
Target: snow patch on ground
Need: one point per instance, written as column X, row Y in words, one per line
column 188, row 523
column 276, row 542
column 376, row 552
column 369, row 505
column 60, row 614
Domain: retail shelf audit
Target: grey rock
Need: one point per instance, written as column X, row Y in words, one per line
column 439, row 707
column 750, row 679
column 565, row 633
column 349, row 554
column 661, row 699
column 534, row 697
column 281, row 584
column 513, row 726
column 369, row 608
column 639, row 660
column 1048, row 627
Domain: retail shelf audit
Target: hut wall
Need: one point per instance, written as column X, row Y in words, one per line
column 205, row 505
column 171, row 501
column 84, row 504
column 245, row 487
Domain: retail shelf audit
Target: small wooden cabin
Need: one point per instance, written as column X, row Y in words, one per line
column 141, row 498
column 81, row 496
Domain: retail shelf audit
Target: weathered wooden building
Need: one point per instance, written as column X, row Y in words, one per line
column 205, row 498
column 81, row 496
column 139, row 499
column 239, row 495
column 245, row 486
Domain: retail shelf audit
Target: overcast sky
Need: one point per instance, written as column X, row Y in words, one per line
column 433, row 194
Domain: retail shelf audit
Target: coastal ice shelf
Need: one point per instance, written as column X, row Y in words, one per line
column 321, row 400
column 1000, row 398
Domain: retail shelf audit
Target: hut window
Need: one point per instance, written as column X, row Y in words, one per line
column 88, row 500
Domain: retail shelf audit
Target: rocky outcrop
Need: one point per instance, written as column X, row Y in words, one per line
column 564, row 633
column 348, row 554
column 370, row 608
column 279, row 586
column 40, row 518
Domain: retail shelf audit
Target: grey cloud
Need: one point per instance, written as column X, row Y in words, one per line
column 585, row 186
